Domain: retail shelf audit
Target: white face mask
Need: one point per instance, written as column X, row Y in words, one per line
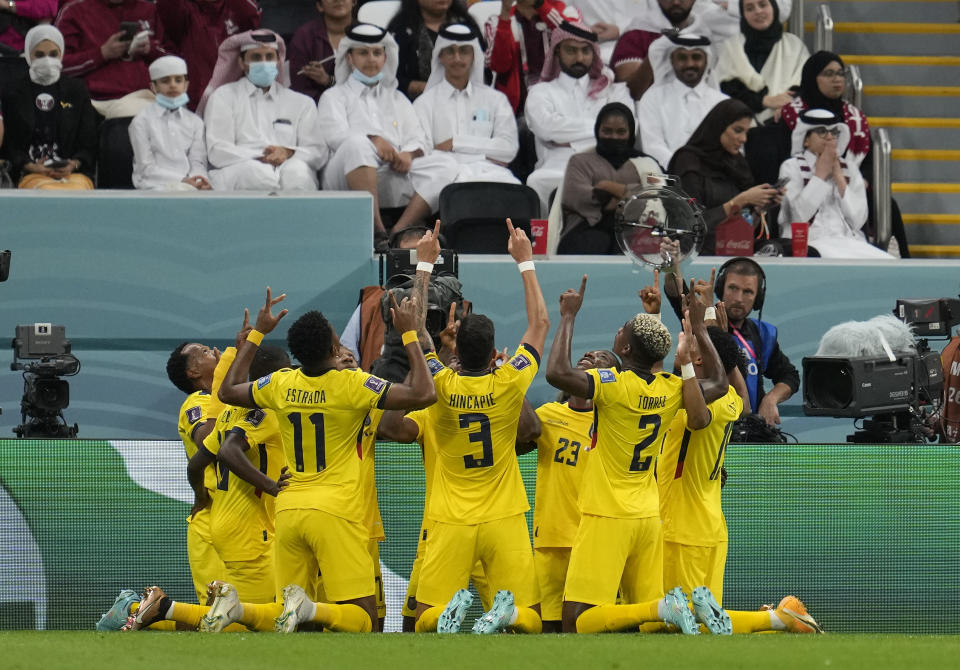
column 46, row 70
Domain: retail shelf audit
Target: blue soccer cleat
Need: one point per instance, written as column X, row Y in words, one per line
column 709, row 613
column 116, row 617
column 499, row 616
column 452, row 615
column 678, row 612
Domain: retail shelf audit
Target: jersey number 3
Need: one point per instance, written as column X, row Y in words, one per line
column 482, row 436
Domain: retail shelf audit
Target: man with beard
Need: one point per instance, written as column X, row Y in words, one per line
column 561, row 109
column 684, row 92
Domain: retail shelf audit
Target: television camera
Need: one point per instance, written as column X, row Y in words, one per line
column 42, row 352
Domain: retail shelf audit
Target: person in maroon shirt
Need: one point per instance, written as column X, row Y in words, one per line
column 100, row 51
column 17, row 17
column 194, row 29
column 314, row 45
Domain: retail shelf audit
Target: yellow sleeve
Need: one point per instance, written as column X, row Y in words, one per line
column 601, row 377
column 522, row 368
column 265, row 391
column 419, row 417
column 367, row 390
column 227, row 356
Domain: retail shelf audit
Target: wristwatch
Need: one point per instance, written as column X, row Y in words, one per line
column 12, row 6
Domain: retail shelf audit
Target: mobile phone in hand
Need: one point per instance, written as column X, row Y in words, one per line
column 130, row 29
column 56, row 163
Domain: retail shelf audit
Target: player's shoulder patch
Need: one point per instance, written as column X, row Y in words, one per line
column 194, row 414
column 520, row 361
column 263, row 381
column 255, row 417
column 435, row 366
column 375, row 384
column 606, row 376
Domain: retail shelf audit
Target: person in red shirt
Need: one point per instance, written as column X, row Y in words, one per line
column 194, row 29
column 17, row 17
column 97, row 48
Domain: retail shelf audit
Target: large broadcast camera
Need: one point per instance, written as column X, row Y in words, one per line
column 42, row 352
column 892, row 390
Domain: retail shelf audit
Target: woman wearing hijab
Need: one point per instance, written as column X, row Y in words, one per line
column 415, row 27
column 51, row 129
column 596, row 180
column 761, row 65
column 314, row 47
column 824, row 190
column 822, row 82
column 713, row 172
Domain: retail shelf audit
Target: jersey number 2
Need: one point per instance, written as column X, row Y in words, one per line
column 482, row 436
column 318, row 437
column 638, row 465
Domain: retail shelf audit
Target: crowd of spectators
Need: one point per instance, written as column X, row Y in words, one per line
column 215, row 100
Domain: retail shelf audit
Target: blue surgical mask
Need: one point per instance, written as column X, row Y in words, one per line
column 364, row 79
column 262, row 73
column 172, row 103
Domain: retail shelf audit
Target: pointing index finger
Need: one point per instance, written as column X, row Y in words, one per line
column 510, row 227
column 583, row 285
column 436, row 228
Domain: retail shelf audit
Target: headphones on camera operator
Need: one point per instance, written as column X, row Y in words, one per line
column 761, row 281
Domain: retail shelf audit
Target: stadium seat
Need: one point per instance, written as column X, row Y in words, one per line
column 473, row 214
column 115, row 163
column 378, row 12
column 481, row 11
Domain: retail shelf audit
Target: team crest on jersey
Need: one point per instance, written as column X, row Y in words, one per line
column 375, row 384
column 606, row 376
column 435, row 366
column 194, row 414
column 519, row 362
column 263, row 381
column 255, row 417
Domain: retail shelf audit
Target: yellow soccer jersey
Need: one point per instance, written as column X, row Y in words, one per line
column 689, row 475
column 561, row 460
column 320, row 419
column 241, row 521
column 428, row 441
column 477, row 478
column 366, row 448
column 193, row 412
column 631, row 417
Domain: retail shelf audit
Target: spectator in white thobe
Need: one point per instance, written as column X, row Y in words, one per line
column 684, row 90
column 462, row 115
column 562, row 108
column 261, row 136
column 169, row 150
column 371, row 127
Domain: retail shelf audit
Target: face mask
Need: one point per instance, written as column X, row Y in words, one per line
column 364, row 79
column 615, row 151
column 262, row 73
column 172, row 103
column 46, row 70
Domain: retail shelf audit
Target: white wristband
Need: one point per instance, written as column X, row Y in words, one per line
column 424, row 266
column 525, row 266
column 656, row 316
column 686, row 371
column 710, row 314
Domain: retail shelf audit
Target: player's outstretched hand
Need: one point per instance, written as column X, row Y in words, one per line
column 650, row 295
column 694, row 308
column 519, row 244
column 428, row 248
column 571, row 300
column 704, row 290
column 244, row 329
column 266, row 321
column 404, row 315
column 685, row 341
column 448, row 336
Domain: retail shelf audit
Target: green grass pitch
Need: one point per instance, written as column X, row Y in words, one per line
column 189, row 651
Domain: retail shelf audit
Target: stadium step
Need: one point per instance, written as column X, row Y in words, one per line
column 886, row 100
column 943, row 11
column 896, row 38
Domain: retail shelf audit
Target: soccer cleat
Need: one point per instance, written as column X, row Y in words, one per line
column 499, row 616
column 149, row 610
column 452, row 615
column 795, row 617
column 224, row 610
column 678, row 612
column 212, row 591
column 709, row 613
column 116, row 617
column 295, row 601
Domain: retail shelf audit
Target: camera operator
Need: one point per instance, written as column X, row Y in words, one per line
column 741, row 285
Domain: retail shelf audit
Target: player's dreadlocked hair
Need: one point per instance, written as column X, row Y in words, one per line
column 649, row 339
column 269, row 358
column 310, row 339
column 177, row 370
column 475, row 342
column 726, row 348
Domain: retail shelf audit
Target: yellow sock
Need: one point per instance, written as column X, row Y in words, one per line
column 654, row 627
column 259, row 617
column 609, row 618
column 163, row 625
column 427, row 623
column 186, row 613
column 528, row 621
column 343, row 618
column 750, row 622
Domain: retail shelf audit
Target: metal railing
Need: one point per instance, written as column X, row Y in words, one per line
column 795, row 24
column 853, row 92
column 882, row 193
column 823, row 37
